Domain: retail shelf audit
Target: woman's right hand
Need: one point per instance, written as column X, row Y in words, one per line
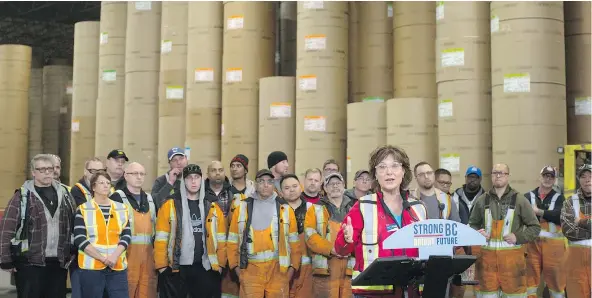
column 348, row 231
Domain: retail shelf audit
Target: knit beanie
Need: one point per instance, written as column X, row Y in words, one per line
column 243, row 160
column 275, row 157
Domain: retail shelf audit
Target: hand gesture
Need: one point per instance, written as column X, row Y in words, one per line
column 173, row 174
column 482, row 232
column 348, row 231
column 510, row 238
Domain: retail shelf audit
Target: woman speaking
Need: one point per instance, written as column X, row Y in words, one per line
column 376, row 216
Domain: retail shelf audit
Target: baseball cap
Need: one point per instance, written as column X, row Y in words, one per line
column 359, row 173
column 333, row 175
column 117, row 153
column 264, row 172
column 473, row 170
column 175, row 151
column 548, row 170
column 191, row 169
column 584, row 168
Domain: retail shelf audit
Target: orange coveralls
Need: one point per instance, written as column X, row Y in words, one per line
column 301, row 286
column 575, row 223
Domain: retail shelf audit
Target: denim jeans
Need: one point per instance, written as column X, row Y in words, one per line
column 94, row 282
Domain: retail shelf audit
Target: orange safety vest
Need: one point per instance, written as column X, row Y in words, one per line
column 575, row 200
column 84, row 191
column 140, row 238
column 548, row 229
column 104, row 236
column 368, row 208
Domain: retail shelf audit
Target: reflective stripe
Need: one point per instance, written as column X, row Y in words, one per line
column 151, row 209
column 232, row 238
column 305, row 260
column 545, row 234
column 555, row 232
column 142, row 239
column 162, row 236
column 212, row 255
column 84, row 191
column 370, row 233
column 479, row 294
column 263, row 256
column 587, row 242
column 445, row 199
column 319, row 261
column 575, row 200
column 499, row 244
column 379, row 288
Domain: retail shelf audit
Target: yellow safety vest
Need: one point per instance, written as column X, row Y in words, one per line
column 306, row 259
column 140, row 238
column 549, row 229
column 104, row 236
column 575, row 200
column 370, row 249
column 84, row 191
column 320, row 263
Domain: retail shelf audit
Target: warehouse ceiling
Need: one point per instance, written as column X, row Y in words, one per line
column 46, row 26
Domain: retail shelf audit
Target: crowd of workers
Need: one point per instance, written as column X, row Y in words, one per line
column 209, row 235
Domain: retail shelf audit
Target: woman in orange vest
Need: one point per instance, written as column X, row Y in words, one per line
column 102, row 234
column 376, row 216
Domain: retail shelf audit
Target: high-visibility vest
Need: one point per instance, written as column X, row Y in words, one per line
column 306, row 259
column 320, row 264
column 370, row 249
column 500, row 243
column 548, row 229
column 575, row 200
column 140, row 238
column 84, row 191
column 104, row 236
column 280, row 235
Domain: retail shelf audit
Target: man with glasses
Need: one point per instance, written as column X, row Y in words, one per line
column 438, row 203
column 35, row 233
column 465, row 196
column 506, row 219
column 443, row 181
column 362, row 185
column 141, row 274
column 547, row 254
column 81, row 191
column 116, row 159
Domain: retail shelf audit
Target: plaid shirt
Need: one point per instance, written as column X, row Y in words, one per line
column 573, row 229
column 36, row 229
column 224, row 198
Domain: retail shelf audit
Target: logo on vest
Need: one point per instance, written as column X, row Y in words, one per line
column 429, row 234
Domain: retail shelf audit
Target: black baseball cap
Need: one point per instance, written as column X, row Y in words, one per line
column 264, row 172
column 117, row 153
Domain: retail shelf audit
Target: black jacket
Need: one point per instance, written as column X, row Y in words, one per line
column 143, row 207
column 77, row 194
column 224, row 198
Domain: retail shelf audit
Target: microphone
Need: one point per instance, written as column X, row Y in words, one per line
column 441, row 206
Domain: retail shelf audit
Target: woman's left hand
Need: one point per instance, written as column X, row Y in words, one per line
column 111, row 260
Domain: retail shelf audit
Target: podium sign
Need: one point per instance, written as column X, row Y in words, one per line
column 434, row 237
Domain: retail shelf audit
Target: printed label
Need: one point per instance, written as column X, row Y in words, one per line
column 517, row 82
column 307, row 83
column 69, row 90
column 583, row 106
column 315, row 42
column 495, row 24
column 174, row 92
column 64, row 110
column 315, row 123
column 451, row 162
column 280, row 110
column 166, row 46
column 234, row 75
column 104, row 38
column 373, row 99
column 143, row 5
column 440, row 10
column 235, row 22
column 313, row 5
column 348, row 165
column 75, row 126
column 389, row 10
column 445, row 108
column 452, row 57
column 109, row 75
column 204, row 75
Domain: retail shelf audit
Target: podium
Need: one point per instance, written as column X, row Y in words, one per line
column 435, row 239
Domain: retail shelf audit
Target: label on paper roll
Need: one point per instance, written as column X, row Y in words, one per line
column 313, row 5
column 64, row 110
column 315, row 123
column 109, row 75
column 348, row 165
column 440, row 10
column 75, row 126
column 104, row 38
column 204, row 75
column 445, row 108
column 495, row 24
column 452, row 57
column 234, row 75
column 280, row 110
column 315, row 42
column 389, row 10
column 143, row 5
column 307, row 83
column 69, row 90
column 174, row 92
column 222, row 129
column 517, row 82
column 451, row 162
column 166, row 46
column 583, row 106
column 235, row 22
column 373, row 99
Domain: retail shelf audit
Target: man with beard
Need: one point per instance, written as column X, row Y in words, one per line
column 312, row 185
column 239, row 167
column 168, row 183
column 438, row 203
column 218, row 187
column 277, row 163
column 465, row 196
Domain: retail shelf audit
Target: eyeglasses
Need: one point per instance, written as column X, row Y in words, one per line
column 264, row 181
column 498, row 174
column 445, row 183
column 94, row 171
column 45, row 170
column 137, row 174
column 426, row 174
column 382, row 168
column 335, row 184
column 366, row 180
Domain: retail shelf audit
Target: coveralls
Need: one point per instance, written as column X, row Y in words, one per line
column 230, row 285
column 575, row 223
column 501, row 266
column 270, row 252
column 302, row 282
column 331, row 275
column 547, row 254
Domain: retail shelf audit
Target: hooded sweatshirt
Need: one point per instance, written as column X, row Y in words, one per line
column 188, row 241
column 263, row 211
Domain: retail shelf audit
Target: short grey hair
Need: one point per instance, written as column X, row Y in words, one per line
column 42, row 157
